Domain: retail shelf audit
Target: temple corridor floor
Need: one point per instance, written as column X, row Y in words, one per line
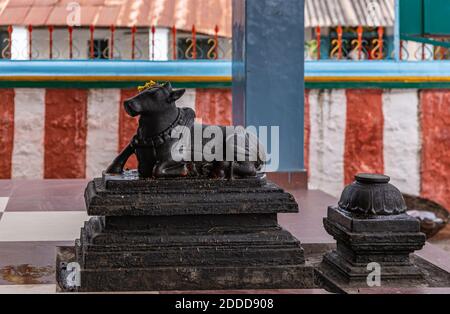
column 38, row 215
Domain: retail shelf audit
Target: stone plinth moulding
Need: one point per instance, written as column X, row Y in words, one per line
column 184, row 234
column 370, row 226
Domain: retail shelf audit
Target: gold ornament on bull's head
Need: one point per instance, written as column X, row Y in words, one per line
column 147, row 85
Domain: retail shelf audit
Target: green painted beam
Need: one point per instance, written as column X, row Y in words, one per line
column 308, row 85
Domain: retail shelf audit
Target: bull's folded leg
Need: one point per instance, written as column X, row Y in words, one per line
column 170, row 169
column 244, row 169
column 116, row 167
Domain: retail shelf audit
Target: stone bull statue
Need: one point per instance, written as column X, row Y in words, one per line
column 154, row 141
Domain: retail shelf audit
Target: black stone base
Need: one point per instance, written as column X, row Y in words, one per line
column 363, row 240
column 352, row 272
column 432, row 277
column 236, row 277
column 185, row 235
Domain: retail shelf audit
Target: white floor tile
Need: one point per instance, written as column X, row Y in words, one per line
column 3, row 203
column 41, row 226
column 27, row 289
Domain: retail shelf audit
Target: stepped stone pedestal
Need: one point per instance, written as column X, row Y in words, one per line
column 387, row 241
column 370, row 226
column 183, row 234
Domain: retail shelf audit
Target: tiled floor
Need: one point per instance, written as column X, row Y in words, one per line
column 35, row 217
column 3, row 203
column 41, row 226
column 54, row 195
column 28, row 289
column 38, row 215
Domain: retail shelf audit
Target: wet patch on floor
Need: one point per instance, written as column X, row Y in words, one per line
column 26, row 274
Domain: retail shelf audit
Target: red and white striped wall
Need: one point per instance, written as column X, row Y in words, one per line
column 402, row 133
column 75, row 133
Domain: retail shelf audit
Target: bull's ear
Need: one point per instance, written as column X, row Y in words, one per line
column 176, row 94
column 167, row 86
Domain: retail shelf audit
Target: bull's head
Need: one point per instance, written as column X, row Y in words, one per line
column 154, row 99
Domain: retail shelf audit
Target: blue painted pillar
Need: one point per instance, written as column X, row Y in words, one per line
column 397, row 47
column 268, row 78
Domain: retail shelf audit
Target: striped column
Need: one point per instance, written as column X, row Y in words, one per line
column 362, row 131
column 127, row 126
column 435, row 156
column 29, row 126
column 363, row 151
column 401, row 139
column 6, row 132
column 307, row 135
column 327, row 140
column 213, row 106
column 102, row 129
column 65, row 133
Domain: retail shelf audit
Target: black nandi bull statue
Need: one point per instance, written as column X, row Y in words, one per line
column 153, row 143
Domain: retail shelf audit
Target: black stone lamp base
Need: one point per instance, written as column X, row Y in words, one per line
column 185, row 234
column 386, row 240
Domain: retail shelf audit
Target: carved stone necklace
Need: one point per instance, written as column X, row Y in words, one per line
column 185, row 117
